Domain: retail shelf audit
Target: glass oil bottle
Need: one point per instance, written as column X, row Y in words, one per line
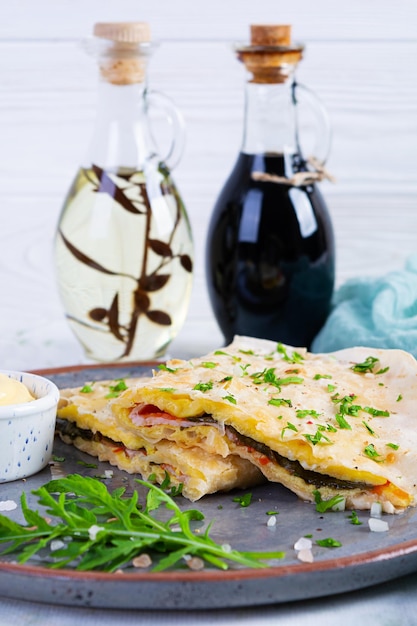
column 123, row 246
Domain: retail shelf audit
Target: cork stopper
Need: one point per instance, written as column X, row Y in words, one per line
column 124, row 59
column 270, row 35
column 128, row 32
column 271, row 55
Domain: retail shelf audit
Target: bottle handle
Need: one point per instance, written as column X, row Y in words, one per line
column 159, row 101
column 322, row 131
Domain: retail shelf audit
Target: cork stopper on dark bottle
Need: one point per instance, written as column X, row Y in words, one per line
column 270, row 55
column 270, row 35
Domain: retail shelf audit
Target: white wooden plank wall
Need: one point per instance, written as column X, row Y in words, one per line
column 360, row 59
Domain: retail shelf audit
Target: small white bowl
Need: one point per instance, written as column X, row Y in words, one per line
column 27, row 429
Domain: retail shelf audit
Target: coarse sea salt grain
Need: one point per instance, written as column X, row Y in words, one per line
column 377, row 525
column 376, row 509
column 272, row 521
column 303, row 543
column 8, row 505
column 306, row 556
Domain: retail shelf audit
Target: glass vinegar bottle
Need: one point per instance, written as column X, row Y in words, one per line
column 123, row 247
column 270, row 247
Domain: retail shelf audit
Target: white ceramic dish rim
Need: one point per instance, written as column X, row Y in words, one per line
column 33, row 407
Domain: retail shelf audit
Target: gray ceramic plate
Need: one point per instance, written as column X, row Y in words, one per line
column 365, row 558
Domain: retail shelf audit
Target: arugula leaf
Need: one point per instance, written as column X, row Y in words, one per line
column 104, row 531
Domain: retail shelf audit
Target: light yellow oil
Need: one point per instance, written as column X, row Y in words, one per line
column 123, row 255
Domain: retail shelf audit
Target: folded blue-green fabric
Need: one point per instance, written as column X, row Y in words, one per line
column 374, row 312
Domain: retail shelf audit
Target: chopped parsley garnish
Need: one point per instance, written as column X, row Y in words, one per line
column 394, row 446
column 116, row 390
column 230, row 398
column 289, row 380
column 330, row 388
column 269, row 377
column 331, row 428
column 167, row 389
column 368, row 428
column 322, row 506
column 399, row 398
column 318, row 437
column 347, row 407
column 88, row 465
column 289, row 426
column 203, row 386
column 342, row 422
column 165, row 368
column 307, row 412
column 88, row 388
column 249, row 352
column 209, row 364
column 244, row 500
column 319, row 376
column 346, row 404
column 371, row 452
column 295, row 357
column 221, row 353
column 280, row 401
column 366, row 366
column 376, row 412
column 354, row 519
column 226, row 379
column 58, row 459
column 329, row 542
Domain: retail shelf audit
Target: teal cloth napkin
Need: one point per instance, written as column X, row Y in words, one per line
column 374, row 312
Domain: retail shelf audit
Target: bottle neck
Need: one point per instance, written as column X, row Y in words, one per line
column 121, row 137
column 270, row 119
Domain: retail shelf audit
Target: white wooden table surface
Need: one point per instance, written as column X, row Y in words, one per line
column 360, row 59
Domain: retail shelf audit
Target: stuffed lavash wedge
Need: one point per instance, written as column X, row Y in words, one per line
column 338, row 424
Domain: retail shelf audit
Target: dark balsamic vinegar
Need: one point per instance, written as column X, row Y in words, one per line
column 270, row 255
